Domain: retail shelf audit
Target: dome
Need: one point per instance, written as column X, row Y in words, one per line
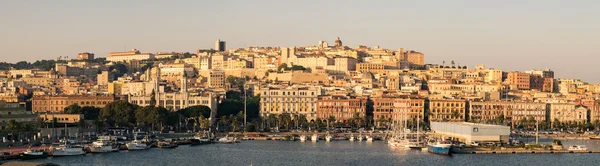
column 338, row 42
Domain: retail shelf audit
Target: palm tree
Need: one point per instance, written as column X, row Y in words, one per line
column 330, row 120
column 234, row 122
column 224, row 120
column 13, row 126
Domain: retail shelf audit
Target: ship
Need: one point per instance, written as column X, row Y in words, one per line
column 439, row 147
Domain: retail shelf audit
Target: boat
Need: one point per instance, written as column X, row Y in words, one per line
column 369, row 138
column 103, row 145
column 166, row 145
column 360, row 138
column 226, row 140
column 577, row 148
column 328, row 138
column 302, row 138
column 33, row 154
column 136, row 145
column 351, row 139
column 66, row 150
column 597, row 137
column 204, row 138
column 314, row 138
column 439, row 147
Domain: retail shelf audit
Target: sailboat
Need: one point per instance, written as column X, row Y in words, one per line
column 417, row 144
column 398, row 136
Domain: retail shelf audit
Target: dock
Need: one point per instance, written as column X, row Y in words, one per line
column 508, row 151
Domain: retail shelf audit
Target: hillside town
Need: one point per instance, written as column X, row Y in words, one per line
column 277, row 89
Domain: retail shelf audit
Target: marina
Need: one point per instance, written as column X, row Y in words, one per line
column 309, row 153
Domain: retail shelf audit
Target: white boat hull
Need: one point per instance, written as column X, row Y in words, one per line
column 67, row 152
column 137, row 146
column 103, row 149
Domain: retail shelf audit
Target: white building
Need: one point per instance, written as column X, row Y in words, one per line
column 134, row 54
column 471, row 132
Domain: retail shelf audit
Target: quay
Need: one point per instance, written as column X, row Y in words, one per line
column 521, row 151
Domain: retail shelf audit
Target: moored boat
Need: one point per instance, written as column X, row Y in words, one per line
column 328, row 138
column 166, row 145
column 442, row 148
column 66, row 150
column 314, row 138
column 226, row 140
column 577, row 148
column 103, row 146
column 33, row 154
column 302, row 138
column 136, row 145
column 351, row 139
column 597, row 137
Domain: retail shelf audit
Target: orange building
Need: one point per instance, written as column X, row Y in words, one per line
column 385, row 109
column 342, row 109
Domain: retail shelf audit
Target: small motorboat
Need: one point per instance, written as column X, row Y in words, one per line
column 166, row 145
column 577, row 148
column 226, row 140
column 314, row 138
column 302, row 138
column 328, row 138
column 33, row 154
column 136, row 145
column 103, row 146
column 369, row 138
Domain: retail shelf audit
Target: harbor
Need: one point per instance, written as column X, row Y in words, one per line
column 306, row 153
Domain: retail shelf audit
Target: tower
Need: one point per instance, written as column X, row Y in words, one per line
column 184, row 86
column 220, row 45
column 338, row 42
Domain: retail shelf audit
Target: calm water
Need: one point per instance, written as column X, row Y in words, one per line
column 320, row 153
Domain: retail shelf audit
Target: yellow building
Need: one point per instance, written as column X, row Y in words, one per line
column 291, row 100
column 58, row 103
column 447, row 110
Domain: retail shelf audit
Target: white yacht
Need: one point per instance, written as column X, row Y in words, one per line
column 102, row 146
column 136, row 145
column 360, row 138
column 328, row 138
column 66, row 150
column 369, row 138
column 351, row 139
column 314, row 138
column 577, row 148
column 226, row 140
column 302, row 138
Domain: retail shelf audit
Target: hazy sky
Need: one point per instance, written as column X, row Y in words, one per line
column 511, row 35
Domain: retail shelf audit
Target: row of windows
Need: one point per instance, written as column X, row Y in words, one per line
column 73, row 102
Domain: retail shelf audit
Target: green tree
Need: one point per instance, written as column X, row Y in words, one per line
column 296, row 67
column 90, row 112
column 73, row 109
column 119, row 113
column 13, row 126
column 282, row 66
column 195, row 111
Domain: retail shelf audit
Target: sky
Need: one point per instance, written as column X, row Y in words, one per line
column 512, row 35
